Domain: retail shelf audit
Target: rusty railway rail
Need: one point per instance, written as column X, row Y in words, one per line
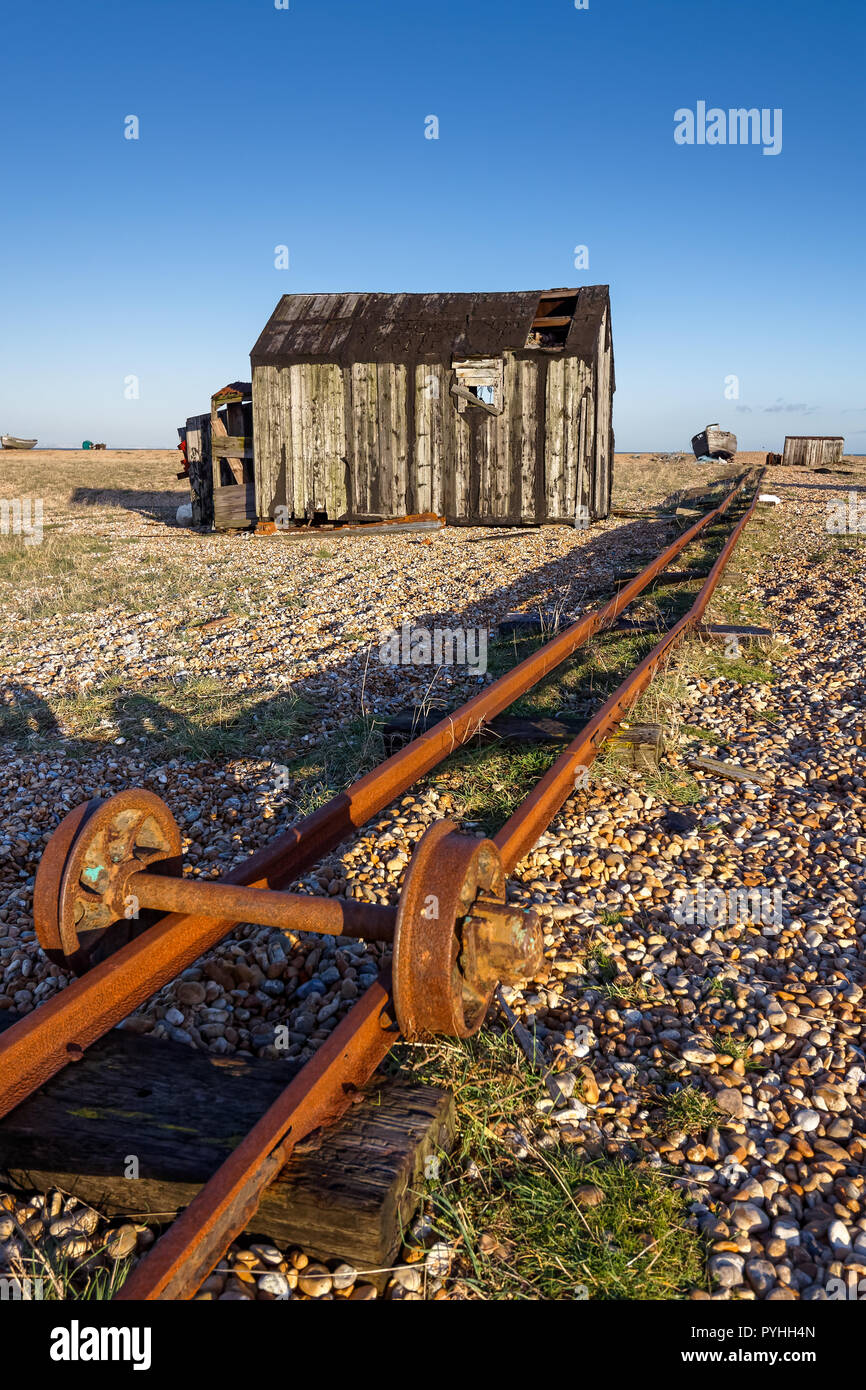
column 112, row 866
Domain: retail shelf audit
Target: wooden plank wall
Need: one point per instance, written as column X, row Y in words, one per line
column 386, row 439
column 472, row 462
column 198, row 451
column 361, row 390
column 232, row 469
column 299, row 424
column 491, row 470
column 812, row 453
column 568, row 396
column 269, row 442
column 601, row 471
column 434, row 453
column 317, row 461
column 393, row 439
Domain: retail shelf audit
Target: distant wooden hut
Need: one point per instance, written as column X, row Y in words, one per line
column 487, row 408
column 813, row 451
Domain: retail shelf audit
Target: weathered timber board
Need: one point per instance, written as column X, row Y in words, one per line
column 665, row 578
column 198, row 439
column 704, row 629
column 348, row 1192
column 532, row 622
column 809, row 450
column 640, row 746
column 503, row 729
column 732, row 772
column 237, row 446
column 352, row 1191
column 383, row 528
column 547, row 623
column 734, row 630
column 234, row 506
column 225, row 468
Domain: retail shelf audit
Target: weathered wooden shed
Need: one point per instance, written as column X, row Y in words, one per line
column 487, row 408
column 813, row 451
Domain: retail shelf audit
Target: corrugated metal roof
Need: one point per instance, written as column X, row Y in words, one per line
column 391, row 327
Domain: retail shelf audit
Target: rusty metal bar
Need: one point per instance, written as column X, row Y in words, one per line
column 299, row 912
column 531, row 819
column 42, row 1043
column 188, row 1251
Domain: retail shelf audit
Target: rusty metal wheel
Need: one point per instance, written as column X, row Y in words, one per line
column 80, row 910
column 455, row 935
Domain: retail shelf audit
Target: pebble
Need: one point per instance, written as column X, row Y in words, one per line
column 267, row 1254
column 438, row 1260
column 748, row 1217
column 344, row 1276
column 78, row 1221
column 315, row 1280
column 73, row 1247
column 275, row 1284
column 121, row 1242
column 588, row 1195
column 730, row 1100
column 839, row 1238
column 761, row 1274
column 408, row 1277
column 575, row 1111
column 787, row 1231
column 726, row 1269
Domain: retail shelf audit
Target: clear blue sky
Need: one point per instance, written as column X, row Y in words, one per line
column 305, row 127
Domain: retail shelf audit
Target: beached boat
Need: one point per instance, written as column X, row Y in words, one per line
column 9, row 441
column 714, row 443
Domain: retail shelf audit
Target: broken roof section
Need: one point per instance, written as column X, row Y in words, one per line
column 349, row 328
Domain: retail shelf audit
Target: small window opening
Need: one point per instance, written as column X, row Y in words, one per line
column 553, row 319
column 478, row 382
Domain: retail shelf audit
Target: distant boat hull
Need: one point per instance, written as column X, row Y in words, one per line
column 714, row 443
column 10, row 442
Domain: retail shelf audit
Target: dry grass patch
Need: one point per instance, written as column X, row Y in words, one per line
column 70, row 574
column 192, row 718
column 86, row 477
column 641, row 481
column 522, row 1226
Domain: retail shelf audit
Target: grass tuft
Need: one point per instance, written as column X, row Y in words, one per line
column 489, row 783
column 522, row 1231
column 690, row 1111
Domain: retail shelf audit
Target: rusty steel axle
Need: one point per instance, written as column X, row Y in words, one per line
column 297, row 912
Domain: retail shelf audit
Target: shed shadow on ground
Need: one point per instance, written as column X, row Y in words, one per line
column 156, row 506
